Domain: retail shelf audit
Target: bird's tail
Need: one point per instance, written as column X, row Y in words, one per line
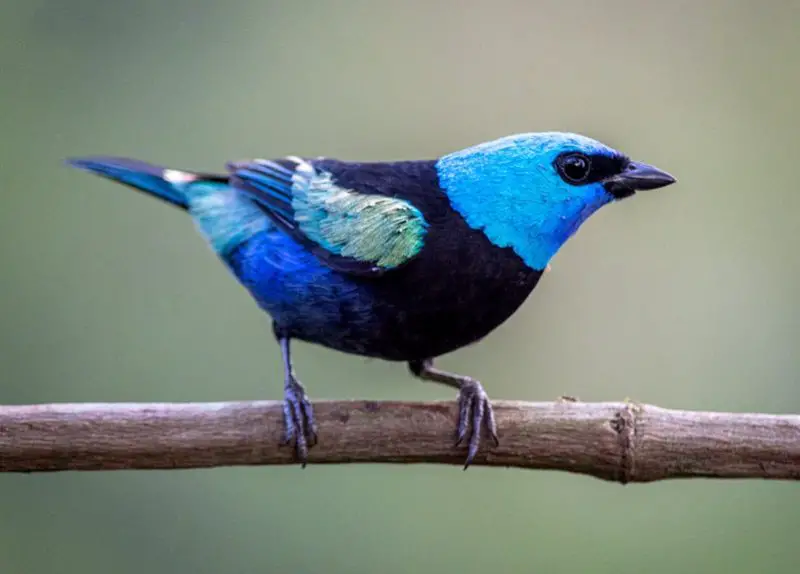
column 163, row 183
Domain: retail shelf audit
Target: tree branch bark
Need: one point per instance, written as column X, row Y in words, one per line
column 621, row 442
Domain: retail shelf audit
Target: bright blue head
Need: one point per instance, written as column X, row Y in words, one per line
column 531, row 192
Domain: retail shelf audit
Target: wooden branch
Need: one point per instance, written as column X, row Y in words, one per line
column 622, row 442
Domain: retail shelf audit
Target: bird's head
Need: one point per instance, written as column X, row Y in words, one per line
column 532, row 191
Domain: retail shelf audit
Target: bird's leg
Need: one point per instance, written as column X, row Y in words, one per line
column 472, row 400
column 298, row 414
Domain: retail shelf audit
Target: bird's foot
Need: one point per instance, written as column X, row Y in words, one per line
column 474, row 406
column 298, row 416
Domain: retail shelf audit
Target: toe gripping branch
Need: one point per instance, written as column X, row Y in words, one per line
column 474, row 406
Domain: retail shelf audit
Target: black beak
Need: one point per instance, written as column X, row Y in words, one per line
column 637, row 177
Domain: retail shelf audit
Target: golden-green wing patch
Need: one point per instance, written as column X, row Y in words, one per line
column 353, row 232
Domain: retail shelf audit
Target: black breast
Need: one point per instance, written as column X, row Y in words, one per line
column 455, row 292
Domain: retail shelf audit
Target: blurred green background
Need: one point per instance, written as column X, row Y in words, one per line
column 686, row 298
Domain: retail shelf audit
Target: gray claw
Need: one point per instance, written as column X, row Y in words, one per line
column 298, row 416
column 473, row 399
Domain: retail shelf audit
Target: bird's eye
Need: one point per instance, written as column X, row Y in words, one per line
column 574, row 167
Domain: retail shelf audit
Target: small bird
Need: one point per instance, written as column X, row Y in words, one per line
column 402, row 261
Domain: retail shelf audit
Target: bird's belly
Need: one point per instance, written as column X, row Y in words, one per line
column 394, row 318
column 439, row 321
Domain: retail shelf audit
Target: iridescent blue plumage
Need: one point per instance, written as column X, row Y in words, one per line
column 509, row 189
column 403, row 261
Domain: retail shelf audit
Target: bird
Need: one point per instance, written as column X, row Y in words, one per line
column 403, row 260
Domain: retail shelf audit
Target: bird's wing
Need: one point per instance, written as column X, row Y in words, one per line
column 358, row 233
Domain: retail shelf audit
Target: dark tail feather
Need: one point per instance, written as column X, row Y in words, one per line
column 155, row 180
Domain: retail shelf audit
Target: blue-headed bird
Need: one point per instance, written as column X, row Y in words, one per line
column 402, row 261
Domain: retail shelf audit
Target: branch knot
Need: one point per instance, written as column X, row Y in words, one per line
column 625, row 424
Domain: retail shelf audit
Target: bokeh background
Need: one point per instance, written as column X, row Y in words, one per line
column 688, row 298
